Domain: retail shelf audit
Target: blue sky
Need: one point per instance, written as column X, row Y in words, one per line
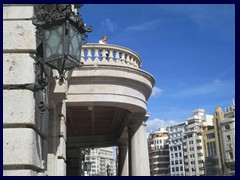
column 189, row 49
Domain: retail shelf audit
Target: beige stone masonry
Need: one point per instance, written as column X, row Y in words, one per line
column 18, row 68
column 19, row 110
column 19, row 173
column 19, row 36
column 16, row 12
column 15, row 103
column 32, row 152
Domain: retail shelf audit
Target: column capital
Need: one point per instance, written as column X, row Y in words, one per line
column 137, row 119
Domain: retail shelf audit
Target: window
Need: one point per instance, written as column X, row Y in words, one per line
column 198, row 140
column 180, row 161
column 227, row 127
column 230, row 155
column 228, row 137
column 180, row 154
column 189, row 136
column 210, row 136
column 179, row 147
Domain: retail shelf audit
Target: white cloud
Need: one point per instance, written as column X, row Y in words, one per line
column 156, row 91
column 108, row 25
column 155, row 124
column 145, row 26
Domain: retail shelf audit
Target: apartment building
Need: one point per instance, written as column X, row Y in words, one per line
column 219, row 141
column 211, row 159
column 102, row 162
column 175, row 139
column 158, row 153
column 227, row 128
column 193, row 146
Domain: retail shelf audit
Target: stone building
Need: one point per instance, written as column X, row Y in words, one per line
column 104, row 103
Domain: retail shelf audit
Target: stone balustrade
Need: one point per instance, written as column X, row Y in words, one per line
column 109, row 54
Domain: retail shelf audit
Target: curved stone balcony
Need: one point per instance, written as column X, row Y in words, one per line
column 104, row 90
column 117, row 55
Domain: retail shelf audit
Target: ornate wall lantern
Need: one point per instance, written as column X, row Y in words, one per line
column 60, row 34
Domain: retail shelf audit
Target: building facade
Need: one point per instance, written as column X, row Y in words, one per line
column 175, row 139
column 159, row 153
column 212, row 167
column 193, row 145
column 220, row 143
column 218, row 117
column 102, row 160
column 102, row 104
column 227, row 128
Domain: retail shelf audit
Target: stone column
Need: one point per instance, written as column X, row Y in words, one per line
column 123, row 157
column 138, row 150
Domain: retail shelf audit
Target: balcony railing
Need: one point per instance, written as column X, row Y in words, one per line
column 109, row 54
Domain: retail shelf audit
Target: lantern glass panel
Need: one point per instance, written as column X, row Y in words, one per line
column 74, row 48
column 75, row 43
column 54, row 45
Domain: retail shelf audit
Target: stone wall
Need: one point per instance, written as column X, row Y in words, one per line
column 25, row 128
